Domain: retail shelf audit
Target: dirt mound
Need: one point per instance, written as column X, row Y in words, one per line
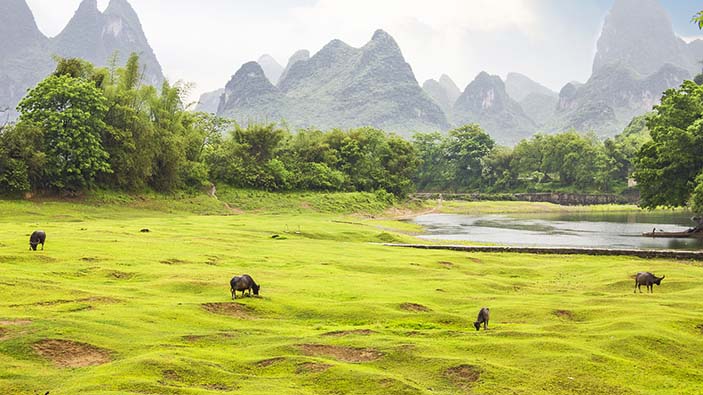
column 475, row 260
column 191, row 378
column 414, row 307
column 174, row 261
column 14, row 322
column 463, row 376
column 446, row 264
column 346, row 354
column 121, row 275
column 213, row 337
column 230, row 309
column 268, row 362
column 566, row 314
column 92, row 299
column 700, row 328
column 312, row 367
column 360, row 332
column 70, row 354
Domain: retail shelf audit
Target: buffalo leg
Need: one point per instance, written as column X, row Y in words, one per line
column 485, row 325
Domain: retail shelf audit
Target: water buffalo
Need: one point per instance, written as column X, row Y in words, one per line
column 483, row 317
column 37, row 237
column 648, row 279
column 243, row 283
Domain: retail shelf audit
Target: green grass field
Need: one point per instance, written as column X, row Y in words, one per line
column 106, row 309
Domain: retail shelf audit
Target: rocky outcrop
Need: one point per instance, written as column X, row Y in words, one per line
column 26, row 54
column 24, row 50
column 444, row 92
column 97, row 36
column 612, row 97
column 538, row 101
column 638, row 34
column 209, row 101
column 302, row 55
column 638, row 58
column 486, row 102
column 338, row 87
column 520, row 86
column 272, row 69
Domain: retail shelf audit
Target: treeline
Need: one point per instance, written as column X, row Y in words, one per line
column 467, row 159
column 85, row 127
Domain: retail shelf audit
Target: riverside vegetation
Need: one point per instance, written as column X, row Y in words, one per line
column 85, row 127
column 107, row 309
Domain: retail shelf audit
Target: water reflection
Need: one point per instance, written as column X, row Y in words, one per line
column 600, row 230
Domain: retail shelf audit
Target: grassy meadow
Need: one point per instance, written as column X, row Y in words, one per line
column 107, row 309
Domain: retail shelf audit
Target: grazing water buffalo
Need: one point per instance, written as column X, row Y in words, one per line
column 37, row 237
column 243, row 283
column 483, row 317
column 648, row 279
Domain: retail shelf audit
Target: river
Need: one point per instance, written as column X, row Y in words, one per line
column 596, row 230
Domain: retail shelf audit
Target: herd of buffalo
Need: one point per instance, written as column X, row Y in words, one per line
column 245, row 283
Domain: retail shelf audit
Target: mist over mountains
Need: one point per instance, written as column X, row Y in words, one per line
column 638, row 57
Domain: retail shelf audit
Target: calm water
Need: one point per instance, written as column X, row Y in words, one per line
column 598, row 230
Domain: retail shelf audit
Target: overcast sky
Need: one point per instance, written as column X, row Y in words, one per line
column 206, row 41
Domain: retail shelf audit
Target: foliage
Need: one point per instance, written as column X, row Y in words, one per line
column 270, row 158
column 132, row 137
column 698, row 19
column 70, row 112
column 667, row 167
column 22, row 160
column 467, row 160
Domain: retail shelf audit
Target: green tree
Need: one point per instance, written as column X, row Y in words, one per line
column 22, row 161
column 499, row 174
column 466, row 148
column 70, row 111
column 434, row 173
column 249, row 158
column 668, row 166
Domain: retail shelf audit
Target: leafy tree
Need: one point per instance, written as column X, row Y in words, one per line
column 311, row 161
column 433, row 173
column 248, row 158
column 70, row 111
column 21, row 160
column 499, row 175
column 668, row 166
column 466, row 148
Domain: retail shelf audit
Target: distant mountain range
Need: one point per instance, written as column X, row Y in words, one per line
column 338, row 87
column 26, row 54
column 638, row 57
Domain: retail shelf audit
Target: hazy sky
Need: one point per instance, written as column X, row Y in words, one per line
column 206, row 41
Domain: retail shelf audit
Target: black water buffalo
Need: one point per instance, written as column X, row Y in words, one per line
column 483, row 316
column 37, row 237
column 243, row 283
column 648, row 279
